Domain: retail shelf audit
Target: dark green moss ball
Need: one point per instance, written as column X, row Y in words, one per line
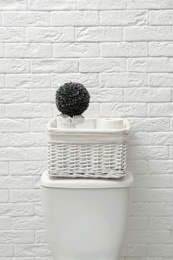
column 72, row 99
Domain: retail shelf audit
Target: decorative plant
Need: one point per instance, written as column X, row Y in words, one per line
column 72, row 99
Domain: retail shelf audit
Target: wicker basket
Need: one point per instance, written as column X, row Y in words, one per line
column 87, row 151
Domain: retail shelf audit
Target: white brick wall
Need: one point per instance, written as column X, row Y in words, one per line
column 122, row 51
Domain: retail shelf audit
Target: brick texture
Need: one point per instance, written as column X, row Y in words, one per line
column 122, row 51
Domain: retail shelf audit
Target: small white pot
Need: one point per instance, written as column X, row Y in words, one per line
column 64, row 121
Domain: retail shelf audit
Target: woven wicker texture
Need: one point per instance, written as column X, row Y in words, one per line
column 87, row 160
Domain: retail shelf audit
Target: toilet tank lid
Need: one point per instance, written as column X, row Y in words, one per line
column 80, row 183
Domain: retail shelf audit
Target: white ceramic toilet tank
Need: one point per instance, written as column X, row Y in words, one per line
column 86, row 219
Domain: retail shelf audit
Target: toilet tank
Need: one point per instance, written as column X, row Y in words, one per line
column 86, row 219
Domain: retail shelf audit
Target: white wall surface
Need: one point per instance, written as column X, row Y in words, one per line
column 122, row 51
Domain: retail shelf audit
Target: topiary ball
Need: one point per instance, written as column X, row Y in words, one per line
column 72, row 99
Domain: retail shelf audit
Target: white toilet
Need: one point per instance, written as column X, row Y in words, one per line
column 86, row 219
